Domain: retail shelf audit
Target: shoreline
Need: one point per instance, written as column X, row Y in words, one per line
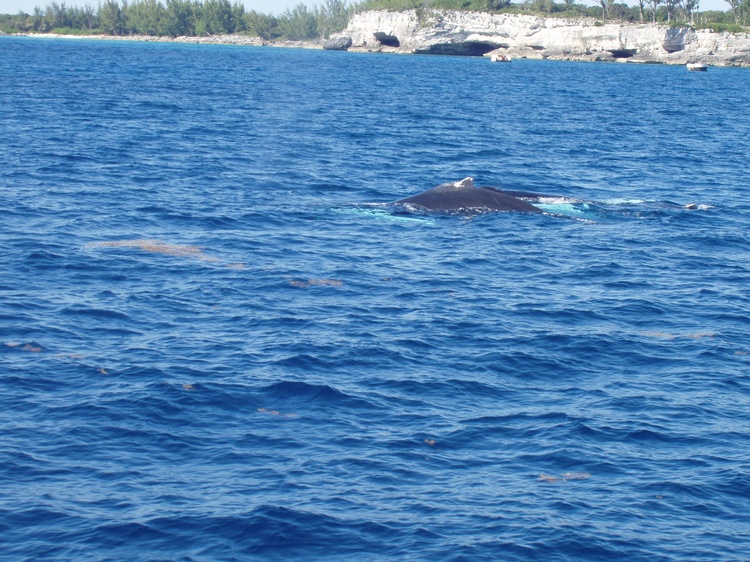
column 233, row 39
column 562, row 51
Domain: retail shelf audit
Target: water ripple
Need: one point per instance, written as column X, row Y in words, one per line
column 219, row 341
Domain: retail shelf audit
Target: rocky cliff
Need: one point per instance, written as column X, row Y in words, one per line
column 478, row 33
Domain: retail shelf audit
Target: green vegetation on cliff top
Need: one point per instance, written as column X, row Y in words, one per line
column 214, row 17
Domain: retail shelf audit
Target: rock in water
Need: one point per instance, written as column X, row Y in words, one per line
column 338, row 44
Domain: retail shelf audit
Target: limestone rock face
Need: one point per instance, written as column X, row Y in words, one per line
column 478, row 33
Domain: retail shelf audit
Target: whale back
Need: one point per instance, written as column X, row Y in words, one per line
column 463, row 195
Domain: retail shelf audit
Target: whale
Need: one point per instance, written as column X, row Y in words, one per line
column 463, row 195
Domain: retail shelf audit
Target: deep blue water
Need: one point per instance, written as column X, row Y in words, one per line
column 216, row 347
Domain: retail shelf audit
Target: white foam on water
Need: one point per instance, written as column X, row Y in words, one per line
column 623, row 202
column 383, row 214
column 555, row 201
column 563, row 208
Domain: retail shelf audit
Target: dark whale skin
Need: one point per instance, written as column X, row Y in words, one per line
column 463, row 195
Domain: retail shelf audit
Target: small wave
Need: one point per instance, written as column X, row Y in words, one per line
column 95, row 312
column 267, row 530
column 321, row 394
column 163, row 106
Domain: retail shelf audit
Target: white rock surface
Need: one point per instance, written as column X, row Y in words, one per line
column 539, row 37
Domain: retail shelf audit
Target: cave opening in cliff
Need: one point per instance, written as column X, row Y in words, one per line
column 387, row 40
column 464, row 49
column 623, row 53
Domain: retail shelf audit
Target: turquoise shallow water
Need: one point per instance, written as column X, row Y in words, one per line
column 218, row 343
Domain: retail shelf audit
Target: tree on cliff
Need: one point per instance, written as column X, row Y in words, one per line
column 261, row 25
column 641, row 5
column 111, row 18
column 654, row 6
column 146, row 16
column 740, row 9
column 688, row 8
column 180, row 18
column 492, row 5
column 217, row 17
column 331, row 17
column 671, row 6
column 299, row 24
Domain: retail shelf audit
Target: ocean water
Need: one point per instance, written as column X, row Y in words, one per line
column 219, row 343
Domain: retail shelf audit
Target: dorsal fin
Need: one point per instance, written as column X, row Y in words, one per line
column 466, row 182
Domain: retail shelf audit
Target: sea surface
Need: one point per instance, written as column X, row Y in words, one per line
column 219, row 342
